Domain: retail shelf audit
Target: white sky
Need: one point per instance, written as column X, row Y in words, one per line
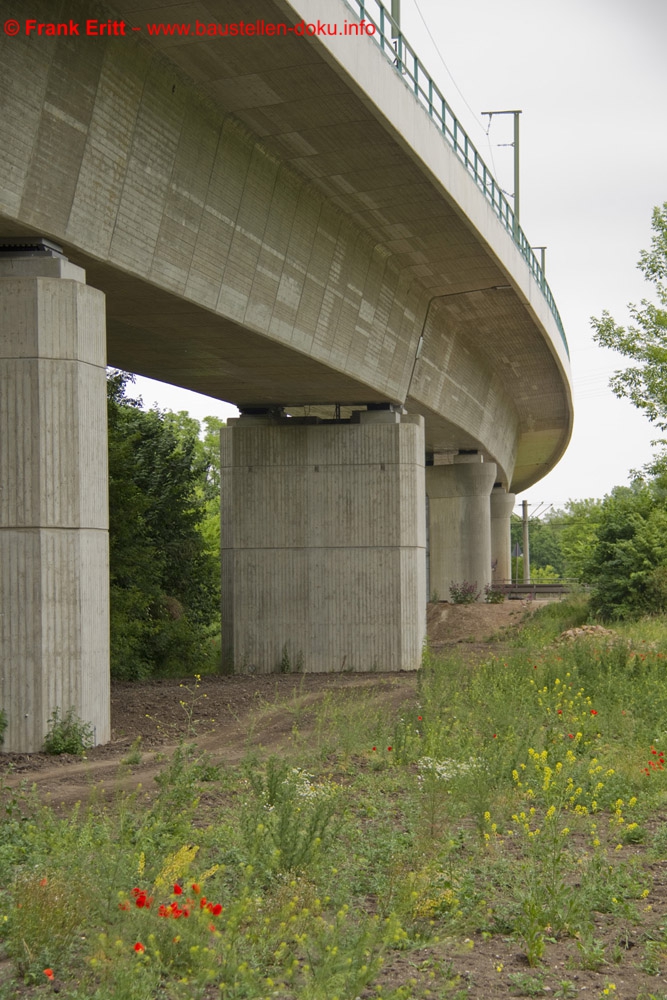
column 591, row 79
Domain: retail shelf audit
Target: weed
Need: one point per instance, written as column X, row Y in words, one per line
column 464, row 593
column 190, row 705
column 68, row 734
column 591, row 952
column 565, row 990
column 133, row 756
column 527, row 986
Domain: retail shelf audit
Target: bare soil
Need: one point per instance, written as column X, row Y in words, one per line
column 229, row 715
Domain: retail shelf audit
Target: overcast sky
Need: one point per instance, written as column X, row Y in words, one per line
column 591, row 79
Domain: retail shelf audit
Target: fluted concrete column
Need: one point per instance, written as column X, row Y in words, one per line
column 323, row 544
column 459, row 523
column 502, row 505
column 54, row 568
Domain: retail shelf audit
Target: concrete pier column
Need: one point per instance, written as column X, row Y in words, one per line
column 323, row 543
column 502, row 505
column 459, row 523
column 54, row 565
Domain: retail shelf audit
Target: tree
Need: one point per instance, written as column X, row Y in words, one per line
column 645, row 340
column 164, row 578
column 545, row 550
column 628, row 564
column 577, row 523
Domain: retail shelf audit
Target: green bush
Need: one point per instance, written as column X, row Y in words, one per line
column 464, row 593
column 68, row 734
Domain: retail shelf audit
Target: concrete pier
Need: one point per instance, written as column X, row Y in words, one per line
column 502, row 505
column 323, row 543
column 460, row 523
column 54, row 566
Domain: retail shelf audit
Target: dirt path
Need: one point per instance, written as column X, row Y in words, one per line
column 227, row 716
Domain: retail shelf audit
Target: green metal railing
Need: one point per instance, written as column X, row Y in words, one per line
column 400, row 53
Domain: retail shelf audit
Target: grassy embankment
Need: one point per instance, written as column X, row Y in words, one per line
column 514, row 802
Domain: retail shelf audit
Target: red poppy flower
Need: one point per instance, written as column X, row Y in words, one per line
column 495, row 736
column 216, row 910
column 196, row 888
column 419, row 718
column 388, row 748
column 49, row 974
column 560, row 711
column 593, row 712
column 177, row 890
column 139, row 948
column 375, row 748
column 571, row 735
column 44, row 881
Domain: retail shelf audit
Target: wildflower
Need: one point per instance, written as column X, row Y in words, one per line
column 139, row 948
column 196, row 888
column 593, row 712
column 560, row 711
column 177, row 890
column 49, row 974
column 419, row 718
column 388, row 748
column 374, row 748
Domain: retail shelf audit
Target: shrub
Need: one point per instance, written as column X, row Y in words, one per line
column 464, row 593
column 68, row 734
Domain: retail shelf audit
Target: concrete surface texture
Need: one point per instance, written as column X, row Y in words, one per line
column 276, row 220
column 323, row 545
column 54, row 567
column 502, row 505
column 460, row 523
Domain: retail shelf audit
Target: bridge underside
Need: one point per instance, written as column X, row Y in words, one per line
column 273, row 222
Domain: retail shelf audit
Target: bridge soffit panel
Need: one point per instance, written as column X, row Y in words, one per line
column 326, row 247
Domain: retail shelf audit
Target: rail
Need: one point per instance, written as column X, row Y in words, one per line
column 407, row 63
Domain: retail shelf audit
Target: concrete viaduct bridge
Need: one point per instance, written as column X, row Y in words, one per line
column 294, row 223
